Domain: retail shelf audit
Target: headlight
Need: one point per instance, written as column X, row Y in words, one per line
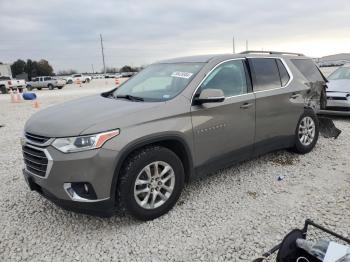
column 82, row 143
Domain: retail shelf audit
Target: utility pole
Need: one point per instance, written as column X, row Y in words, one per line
column 246, row 45
column 103, row 55
column 233, row 45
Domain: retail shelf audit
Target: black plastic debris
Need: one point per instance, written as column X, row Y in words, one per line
column 327, row 128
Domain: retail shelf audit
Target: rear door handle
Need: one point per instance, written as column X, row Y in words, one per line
column 294, row 95
column 246, row 105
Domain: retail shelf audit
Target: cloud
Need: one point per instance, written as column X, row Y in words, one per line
column 140, row 32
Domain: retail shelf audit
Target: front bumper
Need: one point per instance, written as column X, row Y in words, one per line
column 337, row 104
column 103, row 208
column 94, row 167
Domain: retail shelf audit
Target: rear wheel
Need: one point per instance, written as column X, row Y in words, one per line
column 87, row 80
column 39, row 88
column 51, row 87
column 70, row 81
column 3, row 90
column 60, row 87
column 150, row 182
column 307, row 132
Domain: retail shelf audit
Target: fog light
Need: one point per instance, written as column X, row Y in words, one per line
column 80, row 191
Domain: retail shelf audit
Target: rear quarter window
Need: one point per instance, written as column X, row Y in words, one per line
column 308, row 69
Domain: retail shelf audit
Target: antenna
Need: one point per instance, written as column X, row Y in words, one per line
column 103, row 55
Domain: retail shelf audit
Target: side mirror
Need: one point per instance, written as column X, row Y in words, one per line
column 211, row 96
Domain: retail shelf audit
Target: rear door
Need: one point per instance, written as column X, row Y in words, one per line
column 224, row 132
column 277, row 112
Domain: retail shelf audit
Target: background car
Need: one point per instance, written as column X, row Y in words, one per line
column 45, row 82
column 338, row 91
column 78, row 78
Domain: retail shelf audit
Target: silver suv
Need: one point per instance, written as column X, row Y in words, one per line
column 133, row 148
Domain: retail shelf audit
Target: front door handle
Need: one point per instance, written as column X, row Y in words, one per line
column 246, row 105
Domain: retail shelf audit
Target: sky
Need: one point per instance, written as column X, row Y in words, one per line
column 139, row 32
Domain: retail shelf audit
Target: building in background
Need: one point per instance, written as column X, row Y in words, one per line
column 333, row 60
column 5, row 70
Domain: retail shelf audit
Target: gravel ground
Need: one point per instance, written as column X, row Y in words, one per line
column 233, row 215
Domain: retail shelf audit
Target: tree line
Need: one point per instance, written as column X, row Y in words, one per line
column 32, row 68
column 43, row 68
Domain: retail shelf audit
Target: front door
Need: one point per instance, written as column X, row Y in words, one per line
column 224, row 131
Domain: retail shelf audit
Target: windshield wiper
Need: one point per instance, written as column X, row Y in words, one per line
column 130, row 97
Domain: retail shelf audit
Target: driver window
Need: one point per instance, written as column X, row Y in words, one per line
column 229, row 77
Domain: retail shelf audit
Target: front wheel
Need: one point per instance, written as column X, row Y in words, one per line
column 150, row 182
column 307, row 132
column 51, row 87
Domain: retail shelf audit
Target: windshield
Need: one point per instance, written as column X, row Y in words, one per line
column 159, row 82
column 340, row 73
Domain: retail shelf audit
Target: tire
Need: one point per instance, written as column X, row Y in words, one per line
column 50, row 87
column 60, row 87
column 134, row 169
column 39, row 88
column 70, row 81
column 3, row 90
column 305, row 138
column 87, row 80
column 29, row 88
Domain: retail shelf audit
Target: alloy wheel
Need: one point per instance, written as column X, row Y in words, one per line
column 154, row 185
column 306, row 132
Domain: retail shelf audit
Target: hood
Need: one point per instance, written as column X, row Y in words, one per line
column 73, row 117
column 341, row 85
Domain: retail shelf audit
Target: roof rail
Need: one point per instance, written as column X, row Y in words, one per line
column 270, row 53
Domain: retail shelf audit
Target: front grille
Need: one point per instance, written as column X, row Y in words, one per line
column 35, row 160
column 37, row 139
column 336, row 98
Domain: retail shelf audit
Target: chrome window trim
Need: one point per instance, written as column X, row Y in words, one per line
column 291, row 77
column 207, row 74
column 49, row 161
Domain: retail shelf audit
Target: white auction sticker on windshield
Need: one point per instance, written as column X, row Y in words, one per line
column 182, row 74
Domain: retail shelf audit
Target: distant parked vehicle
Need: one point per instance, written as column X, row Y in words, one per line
column 128, row 74
column 78, row 77
column 45, row 82
column 338, row 91
column 7, row 83
column 98, row 77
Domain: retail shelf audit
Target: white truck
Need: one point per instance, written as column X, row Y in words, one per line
column 8, row 83
column 45, row 82
column 78, row 78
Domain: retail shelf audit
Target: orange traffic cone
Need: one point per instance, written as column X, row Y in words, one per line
column 36, row 104
column 117, row 82
column 79, row 82
column 12, row 96
column 18, row 97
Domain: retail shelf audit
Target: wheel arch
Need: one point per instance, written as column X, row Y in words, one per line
column 175, row 143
